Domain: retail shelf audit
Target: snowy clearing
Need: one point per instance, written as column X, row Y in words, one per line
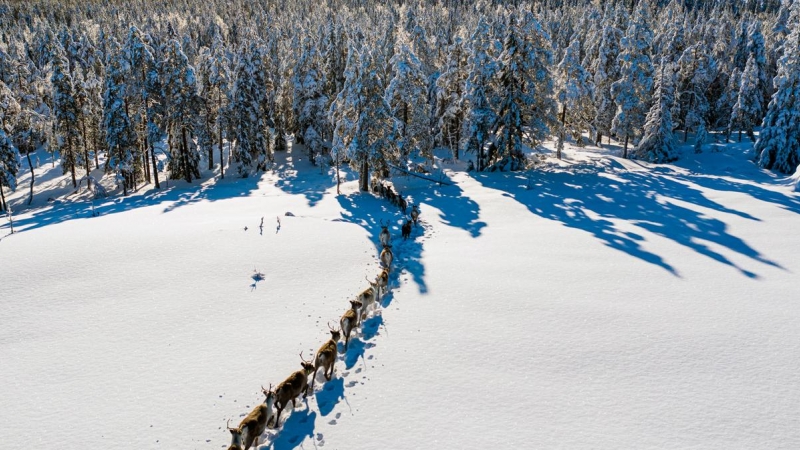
column 614, row 304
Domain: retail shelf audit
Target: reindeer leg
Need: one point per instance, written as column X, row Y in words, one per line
column 312, row 382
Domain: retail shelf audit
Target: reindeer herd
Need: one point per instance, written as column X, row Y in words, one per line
column 246, row 435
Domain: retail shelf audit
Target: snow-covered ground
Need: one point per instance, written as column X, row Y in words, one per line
column 594, row 303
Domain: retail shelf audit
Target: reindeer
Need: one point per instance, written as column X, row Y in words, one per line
column 385, row 237
column 349, row 321
column 255, row 423
column 406, row 229
column 415, row 213
column 383, row 282
column 368, row 297
column 387, row 257
column 326, row 357
column 390, row 195
column 236, row 437
column 402, row 204
column 291, row 387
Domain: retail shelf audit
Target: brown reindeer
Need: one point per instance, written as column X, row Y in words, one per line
column 368, row 298
column 349, row 321
column 383, row 282
column 236, row 437
column 385, row 237
column 415, row 213
column 255, row 423
column 387, row 257
column 406, row 230
column 326, row 357
column 290, row 388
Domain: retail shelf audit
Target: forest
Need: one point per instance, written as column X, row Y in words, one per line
column 155, row 89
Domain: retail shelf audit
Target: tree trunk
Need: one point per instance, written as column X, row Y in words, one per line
column 563, row 129
column 155, row 166
column 96, row 150
column 458, row 130
column 33, row 177
column 338, row 179
column 598, row 139
column 740, row 134
column 219, row 119
column 210, row 147
column 363, row 178
column 185, row 155
column 72, row 163
column 625, row 148
column 3, row 206
column 86, row 155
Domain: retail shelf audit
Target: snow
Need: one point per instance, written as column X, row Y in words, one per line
column 615, row 304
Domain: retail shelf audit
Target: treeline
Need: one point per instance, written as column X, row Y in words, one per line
column 373, row 84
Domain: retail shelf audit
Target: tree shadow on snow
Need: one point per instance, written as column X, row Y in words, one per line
column 296, row 175
column 728, row 182
column 591, row 196
column 174, row 196
column 368, row 211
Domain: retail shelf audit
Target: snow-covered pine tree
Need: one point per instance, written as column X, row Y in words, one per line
column 748, row 109
column 140, row 65
column 9, row 167
column 696, row 70
column 575, row 94
column 248, row 116
column 371, row 149
column 756, row 49
column 450, row 103
column 658, row 143
column 778, row 144
column 85, row 111
column 180, row 93
column 480, row 118
column 361, row 119
column 120, row 134
column 525, row 105
column 344, row 112
column 407, row 96
column 606, row 71
column 215, row 80
column 66, row 114
column 632, row 91
column 310, row 102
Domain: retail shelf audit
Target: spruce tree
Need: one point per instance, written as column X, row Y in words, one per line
column 215, row 80
column 575, row 95
column 180, row 92
column 450, row 99
column 778, row 144
column 480, row 118
column 406, row 96
column 748, row 110
column 120, row 135
column 525, row 106
column 695, row 71
column 9, row 167
column 632, row 91
column 66, row 115
column 606, row 71
column 658, row 143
